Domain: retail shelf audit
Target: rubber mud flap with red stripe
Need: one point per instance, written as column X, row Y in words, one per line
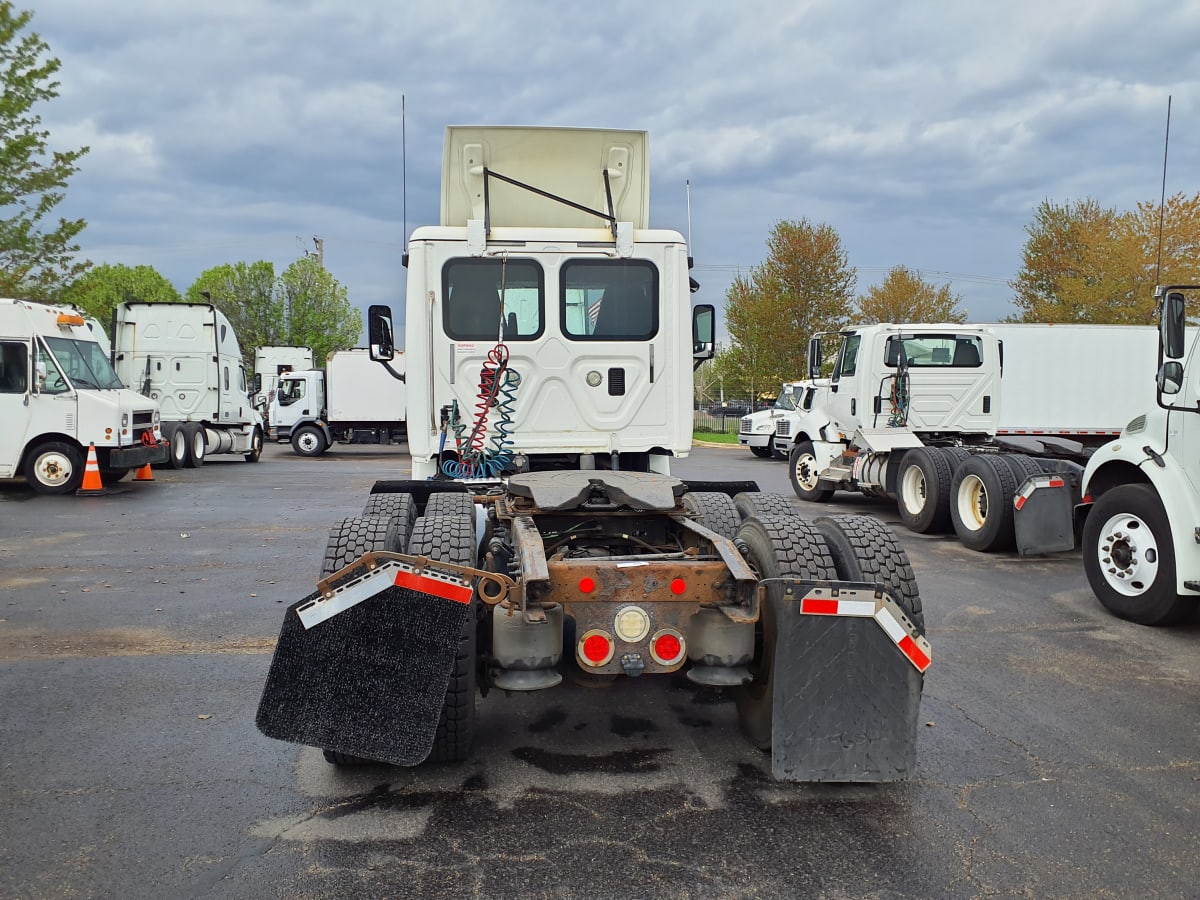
column 847, row 696
column 1044, row 514
column 369, row 682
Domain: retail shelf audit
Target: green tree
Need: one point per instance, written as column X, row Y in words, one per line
column 99, row 290
column 805, row 285
column 904, row 296
column 1083, row 263
column 37, row 258
column 318, row 310
column 245, row 293
column 305, row 306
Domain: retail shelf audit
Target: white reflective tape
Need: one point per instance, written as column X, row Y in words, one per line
column 890, row 625
column 862, row 608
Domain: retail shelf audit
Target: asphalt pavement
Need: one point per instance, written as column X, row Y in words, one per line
column 1059, row 748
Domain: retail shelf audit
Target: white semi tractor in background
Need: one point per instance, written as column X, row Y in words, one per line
column 59, row 395
column 352, row 400
column 551, row 348
column 186, row 356
column 951, row 420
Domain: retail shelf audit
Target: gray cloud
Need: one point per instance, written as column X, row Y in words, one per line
column 924, row 132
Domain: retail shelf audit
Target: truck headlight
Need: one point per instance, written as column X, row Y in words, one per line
column 124, row 421
column 156, row 420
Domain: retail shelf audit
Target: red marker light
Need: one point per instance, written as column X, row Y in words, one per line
column 587, row 585
column 667, row 647
column 596, row 648
column 678, row 586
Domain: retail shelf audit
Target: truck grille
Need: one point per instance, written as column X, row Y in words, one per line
column 746, row 426
column 143, row 419
column 783, row 428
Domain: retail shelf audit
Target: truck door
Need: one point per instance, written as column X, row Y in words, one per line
column 15, row 405
column 843, row 386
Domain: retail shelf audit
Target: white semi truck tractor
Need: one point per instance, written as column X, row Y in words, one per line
column 551, row 345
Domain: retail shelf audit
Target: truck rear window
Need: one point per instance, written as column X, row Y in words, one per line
column 956, row 351
column 482, row 297
column 609, row 300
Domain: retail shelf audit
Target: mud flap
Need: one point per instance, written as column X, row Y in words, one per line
column 1044, row 514
column 846, row 696
column 370, row 681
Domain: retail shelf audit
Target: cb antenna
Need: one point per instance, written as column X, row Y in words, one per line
column 1162, row 201
column 403, row 174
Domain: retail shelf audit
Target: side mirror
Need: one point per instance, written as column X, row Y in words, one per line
column 703, row 332
column 379, row 333
column 1170, row 378
column 815, row 359
column 1171, row 326
column 39, row 380
column 257, row 382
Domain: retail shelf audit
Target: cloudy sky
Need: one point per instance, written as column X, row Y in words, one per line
column 924, row 132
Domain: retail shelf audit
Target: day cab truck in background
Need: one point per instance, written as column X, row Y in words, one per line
column 269, row 363
column 965, row 430
column 186, row 357
column 353, row 400
column 552, row 341
column 757, row 430
column 59, row 394
column 1140, row 507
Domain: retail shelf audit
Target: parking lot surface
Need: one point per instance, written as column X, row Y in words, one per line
column 1059, row 748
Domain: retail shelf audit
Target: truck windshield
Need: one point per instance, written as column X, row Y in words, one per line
column 789, row 398
column 84, row 363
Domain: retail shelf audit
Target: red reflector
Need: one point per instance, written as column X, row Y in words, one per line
column 913, row 652
column 596, row 649
column 678, row 586
column 587, row 585
column 1056, row 482
column 668, row 647
column 817, row 607
column 459, row 593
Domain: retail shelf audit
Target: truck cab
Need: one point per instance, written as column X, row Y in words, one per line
column 558, row 323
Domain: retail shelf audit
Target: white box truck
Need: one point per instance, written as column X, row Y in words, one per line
column 59, row 394
column 352, row 400
column 269, row 363
column 186, row 356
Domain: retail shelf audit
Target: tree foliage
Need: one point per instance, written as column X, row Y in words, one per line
column 805, row 285
column 99, row 290
column 1085, row 263
column 905, row 296
column 37, row 257
column 304, row 306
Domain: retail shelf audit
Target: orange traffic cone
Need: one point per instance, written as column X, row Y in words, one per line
column 91, row 475
column 144, row 474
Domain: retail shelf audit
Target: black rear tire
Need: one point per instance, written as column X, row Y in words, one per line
column 452, row 539
column 783, row 545
column 714, row 510
column 179, row 448
column 923, row 491
column 802, row 470
column 455, row 503
column 981, row 503
column 762, row 504
column 197, row 444
column 864, row 549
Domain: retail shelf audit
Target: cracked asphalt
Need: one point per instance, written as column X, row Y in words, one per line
column 1059, row 748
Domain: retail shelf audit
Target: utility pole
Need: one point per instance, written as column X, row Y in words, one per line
column 320, row 244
